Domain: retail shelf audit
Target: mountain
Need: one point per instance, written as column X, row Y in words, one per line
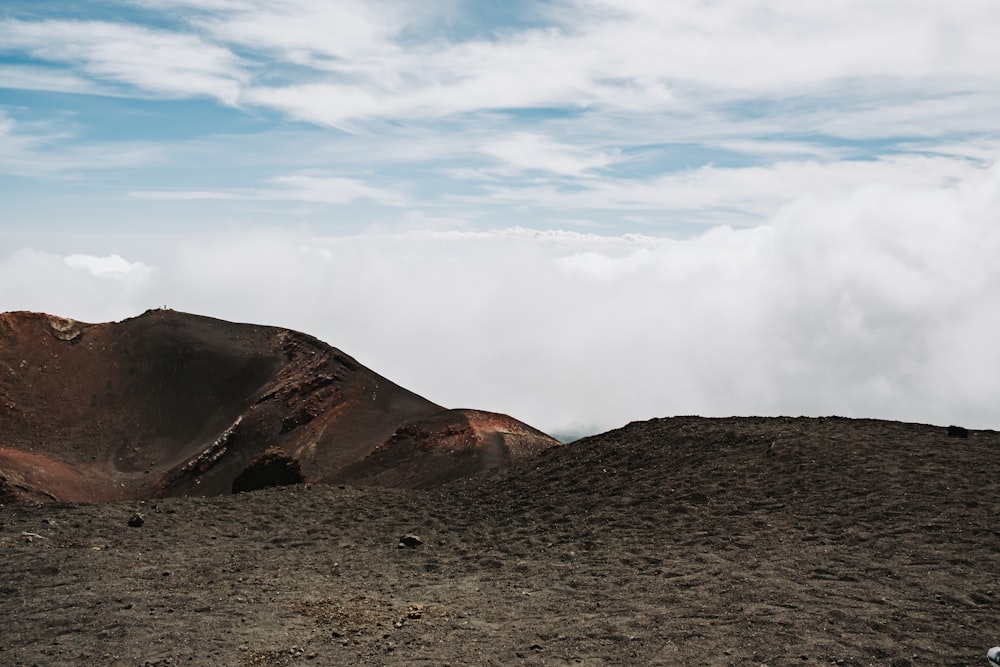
column 169, row 404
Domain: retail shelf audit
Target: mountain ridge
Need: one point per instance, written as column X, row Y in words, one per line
column 170, row 403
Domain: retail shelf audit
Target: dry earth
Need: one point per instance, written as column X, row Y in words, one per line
column 683, row 541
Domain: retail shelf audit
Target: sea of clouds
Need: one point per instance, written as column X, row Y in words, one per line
column 879, row 301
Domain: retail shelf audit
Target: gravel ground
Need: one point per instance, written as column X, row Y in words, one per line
column 683, row 541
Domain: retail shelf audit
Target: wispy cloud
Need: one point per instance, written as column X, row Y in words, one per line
column 335, row 190
column 40, row 149
column 34, row 77
column 298, row 187
column 342, row 36
column 360, row 62
column 592, row 54
column 632, row 56
column 526, row 151
column 191, row 195
column 153, row 61
column 740, row 196
column 568, row 91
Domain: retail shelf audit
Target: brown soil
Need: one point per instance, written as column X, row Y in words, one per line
column 170, row 404
column 682, row 541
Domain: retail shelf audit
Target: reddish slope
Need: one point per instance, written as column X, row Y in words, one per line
column 172, row 404
column 445, row 446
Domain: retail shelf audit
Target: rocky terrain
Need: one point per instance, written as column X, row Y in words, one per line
column 170, row 404
column 680, row 541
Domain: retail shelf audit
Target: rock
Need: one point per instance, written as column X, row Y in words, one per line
column 136, row 520
column 65, row 329
column 411, row 541
column 958, row 432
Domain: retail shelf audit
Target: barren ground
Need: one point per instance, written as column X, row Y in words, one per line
column 683, row 541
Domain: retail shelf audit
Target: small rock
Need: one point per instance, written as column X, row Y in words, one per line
column 136, row 520
column 411, row 541
column 958, row 432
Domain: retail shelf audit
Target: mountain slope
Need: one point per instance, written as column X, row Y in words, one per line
column 171, row 404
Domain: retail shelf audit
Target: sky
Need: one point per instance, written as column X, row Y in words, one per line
column 576, row 212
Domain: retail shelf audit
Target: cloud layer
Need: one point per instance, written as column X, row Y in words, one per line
column 357, row 61
column 880, row 301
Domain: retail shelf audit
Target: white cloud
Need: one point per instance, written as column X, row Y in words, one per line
column 769, row 82
column 741, row 45
column 346, row 34
column 31, row 77
column 878, row 300
column 400, row 61
column 334, row 190
column 527, row 151
column 37, row 148
column 638, row 56
column 738, row 195
column 159, row 62
column 87, row 288
column 113, row 267
column 296, row 187
column 189, row 195
column 777, row 148
column 864, row 64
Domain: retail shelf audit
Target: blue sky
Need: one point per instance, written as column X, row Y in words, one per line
column 520, row 188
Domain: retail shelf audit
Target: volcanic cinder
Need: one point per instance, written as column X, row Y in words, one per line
column 169, row 404
column 682, row 541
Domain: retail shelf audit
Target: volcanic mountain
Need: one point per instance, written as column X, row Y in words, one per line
column 169, row 404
